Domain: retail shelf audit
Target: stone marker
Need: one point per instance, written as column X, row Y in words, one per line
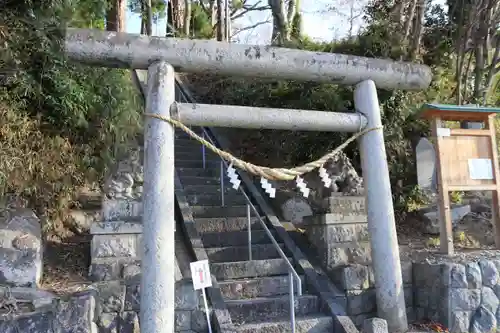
column 20, row 248
column 426, row 165
column 375, row 325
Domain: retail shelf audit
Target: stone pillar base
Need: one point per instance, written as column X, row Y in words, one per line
column 341, row 234
column 116, row 240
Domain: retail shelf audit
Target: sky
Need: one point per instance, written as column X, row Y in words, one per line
column 318, row 22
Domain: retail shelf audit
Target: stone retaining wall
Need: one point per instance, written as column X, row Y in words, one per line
column 357, row 281
column 463, row 296
column 120, row 303
column 106, row 307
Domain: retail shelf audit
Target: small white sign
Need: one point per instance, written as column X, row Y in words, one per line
column 442, row 131
column 480, row 168
column 200, row 273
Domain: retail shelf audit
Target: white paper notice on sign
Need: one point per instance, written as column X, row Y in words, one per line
column 442, row 131
column 200, row 272
column 480, row 168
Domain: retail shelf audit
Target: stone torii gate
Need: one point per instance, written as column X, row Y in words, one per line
column 161, row 55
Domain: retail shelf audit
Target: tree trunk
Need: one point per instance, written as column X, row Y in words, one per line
column 281, row 33
column 397, row 13
column 227, row 21
column 149, row 17
column 213, row 12
column 409, row 20
column 482, row 48
column 418, row 29
column 115, row 15
column 296, row 29
column 187, row 18
column 169, row 31
column 493, row 70
column 176, row 18
column 220, row 21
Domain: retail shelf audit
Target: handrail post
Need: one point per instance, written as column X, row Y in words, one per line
column 203, row 151
column 299, row 287
column 292, row 301
column 222, row 182
column 158, row 252
column 249, row 216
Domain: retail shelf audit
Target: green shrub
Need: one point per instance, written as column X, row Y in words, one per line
column 61, row 124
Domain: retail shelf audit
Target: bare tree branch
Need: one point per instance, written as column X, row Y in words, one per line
column 250, row 27
column 247, row 8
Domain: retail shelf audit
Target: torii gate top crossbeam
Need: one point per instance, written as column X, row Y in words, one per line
column 112, row 49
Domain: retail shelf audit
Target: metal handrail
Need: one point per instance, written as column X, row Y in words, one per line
column 293, row 275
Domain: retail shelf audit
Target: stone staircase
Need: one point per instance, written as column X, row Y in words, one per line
column 255, row 292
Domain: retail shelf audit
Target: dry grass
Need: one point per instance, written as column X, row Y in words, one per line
column 42, row 169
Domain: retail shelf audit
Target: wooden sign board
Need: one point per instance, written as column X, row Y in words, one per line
column 467, row 160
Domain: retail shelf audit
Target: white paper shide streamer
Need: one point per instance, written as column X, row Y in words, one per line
column 268, row 187
column 302, row 186
column 325, row 177
column 233, row 177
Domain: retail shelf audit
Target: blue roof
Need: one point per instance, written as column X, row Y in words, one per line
column 463, row 108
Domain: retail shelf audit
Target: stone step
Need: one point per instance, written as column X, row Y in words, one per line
column 182, row 144
column 224, row 224
column 186, row 145
column 210, row 189
column 239, row 253
column 179, row 133
column 194, row 154
column 270, row 308
column 235, row 238
column 189, row 180
column 201, row 199
column 219, row 211
column 198, row 163
column 252, row 288
column 305, row 324
column 197, row 172
column 249, row 269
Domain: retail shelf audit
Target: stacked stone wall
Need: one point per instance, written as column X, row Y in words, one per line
column 463, row 296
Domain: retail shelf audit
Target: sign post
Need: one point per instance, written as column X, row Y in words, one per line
column 200, row 273
column 466, row 159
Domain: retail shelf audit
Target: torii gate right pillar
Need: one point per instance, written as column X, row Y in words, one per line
column 380, row 211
